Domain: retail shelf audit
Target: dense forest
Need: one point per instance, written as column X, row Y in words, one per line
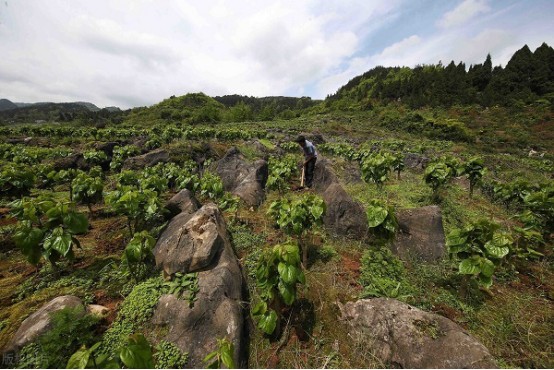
column 527, row 77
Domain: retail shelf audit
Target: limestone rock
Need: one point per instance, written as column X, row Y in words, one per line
column 421, row 234
column 417, row 161
column 97, row 310
column 191, row 242
column 243, row 179
column 323, row 175
column 40, row 321
column 344, row 216
column 404, row 336
column 216, row 313
column 146, row 160
column 183, row 201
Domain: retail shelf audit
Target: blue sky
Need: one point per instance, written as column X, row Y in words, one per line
column 134, row 53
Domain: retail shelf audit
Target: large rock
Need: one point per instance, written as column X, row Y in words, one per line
column 421, row 234
column 344, row 216
column 243, row 179
column 40, row 321
column 191, row 241
column 146, row 160
column 323, row 175
column 65, row 163
column 403, row 336
column 417, row 161
column 183, row 201
column 216, row 312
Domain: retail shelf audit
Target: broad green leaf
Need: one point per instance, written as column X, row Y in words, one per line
column 137, row 354
column 376, row 215
column 79, row 359
column 59, row 241
column 487, row 267
column 288, row 273
column 287, row 292
column 76, row 223
column 268, row 322
column 227, row 356
column 469, row 267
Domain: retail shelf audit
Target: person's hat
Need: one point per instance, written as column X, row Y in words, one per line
column 300, row 139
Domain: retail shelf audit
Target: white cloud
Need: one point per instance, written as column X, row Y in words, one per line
column 463, row 12
column 139, row 52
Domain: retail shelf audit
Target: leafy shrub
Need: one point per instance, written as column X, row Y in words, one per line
column 139, row 251
column 16, row 179
column 47, row 228
column 277, row 274
column 223, row 355
column 87, row 189
column 480, row 246
column 381, row 219
column 376, row 167
column 383, row 275
column 140, row 206
column 474, row 169
column 280, row 172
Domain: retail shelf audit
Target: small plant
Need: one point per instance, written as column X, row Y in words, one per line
column 280, row 172
column 136, row 353
column 277, row 274
column 474, row 169
column 397, row 164
column 383, row 275
column 223, row 355
column 437, row 175
column 381, row 219
column 94, row 157
column 169, row 356
column 140, row 206
column 47, row 228
column 376, row 167
column 16, row 179
column 139, row 251
column 297, row 217
column 181, row 283
column 87, row 189
column 480, row 247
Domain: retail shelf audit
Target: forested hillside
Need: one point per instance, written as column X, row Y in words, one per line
column 526, row 78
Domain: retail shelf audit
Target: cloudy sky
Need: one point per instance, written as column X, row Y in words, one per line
column 137, row 52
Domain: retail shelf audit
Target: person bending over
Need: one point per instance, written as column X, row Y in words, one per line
column 310, row 157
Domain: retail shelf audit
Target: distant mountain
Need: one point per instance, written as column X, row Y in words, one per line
column 5, row 104
column 89, row 106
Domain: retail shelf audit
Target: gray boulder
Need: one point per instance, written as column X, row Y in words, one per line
column 216, row 313
column 183, row 201
column 403, row 336
column 65, row 163
column 191, row 241
column 146, row 160
column 323, row 175
column 344, row 216
column 243, row 179
column 417, row 161
column 40, row 322
column 421, row 234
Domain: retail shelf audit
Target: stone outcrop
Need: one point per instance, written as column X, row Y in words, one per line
column 420, row 235
column 40, row 322
column 200, row 243
column 344, row 216
column 243, row 179
column 403, row 336
column 183, row 201
column 416, row 161
column 146, row 160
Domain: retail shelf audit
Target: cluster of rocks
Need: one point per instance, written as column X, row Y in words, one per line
column 196, row 240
